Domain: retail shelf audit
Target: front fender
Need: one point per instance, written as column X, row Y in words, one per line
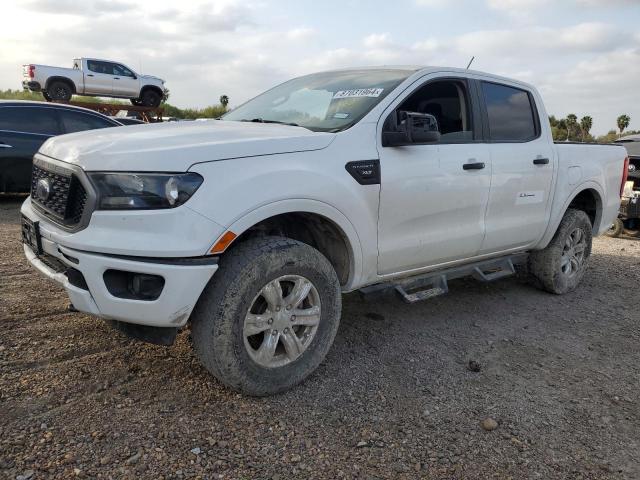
column 305, row 205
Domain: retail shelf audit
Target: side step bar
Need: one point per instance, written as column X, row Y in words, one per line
column 432, row 284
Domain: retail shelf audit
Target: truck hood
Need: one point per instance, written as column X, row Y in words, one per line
column 175, row 146
column 151, row 77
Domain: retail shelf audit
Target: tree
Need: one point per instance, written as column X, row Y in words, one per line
column 572, row 122
column 586, row 123
column 224, row 101
column 623, row 122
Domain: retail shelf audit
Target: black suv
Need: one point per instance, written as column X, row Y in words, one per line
column 24, row 127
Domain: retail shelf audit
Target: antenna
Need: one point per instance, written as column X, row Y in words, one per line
column 470, row 62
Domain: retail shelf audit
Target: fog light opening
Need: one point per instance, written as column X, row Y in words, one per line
column 133, row 285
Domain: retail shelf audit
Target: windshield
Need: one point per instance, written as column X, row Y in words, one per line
column 322, row 102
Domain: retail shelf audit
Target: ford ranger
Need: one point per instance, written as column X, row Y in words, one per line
column 250, row 227
column 91, row 77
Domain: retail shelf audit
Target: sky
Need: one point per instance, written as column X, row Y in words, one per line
column 583, row 55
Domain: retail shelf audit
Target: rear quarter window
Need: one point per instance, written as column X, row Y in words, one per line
column 38, row 120
column 510, row 113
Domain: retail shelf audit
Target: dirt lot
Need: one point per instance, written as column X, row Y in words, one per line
column 394, row 399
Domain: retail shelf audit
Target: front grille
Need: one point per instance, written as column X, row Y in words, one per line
column 67, row 197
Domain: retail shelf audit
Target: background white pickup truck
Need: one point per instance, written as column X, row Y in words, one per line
column 92, row 77
column 250, row 227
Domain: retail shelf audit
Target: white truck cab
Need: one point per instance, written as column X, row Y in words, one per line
column 250, row 227
column 93, row 77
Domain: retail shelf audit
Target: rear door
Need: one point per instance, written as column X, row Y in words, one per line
column 433, row 197
column 125, row 82
column 23, row 129
column 523, row 161
column 98, row 78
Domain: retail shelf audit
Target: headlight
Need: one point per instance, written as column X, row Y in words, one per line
column 124, row 191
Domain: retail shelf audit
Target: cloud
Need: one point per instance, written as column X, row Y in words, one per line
column 432, row 3
column 581, row 38
column 219, row 16
column 84, row 8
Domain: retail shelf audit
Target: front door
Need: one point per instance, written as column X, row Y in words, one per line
column 522, row 160
column 98, row 79
column 125, row 82
column 434, row 196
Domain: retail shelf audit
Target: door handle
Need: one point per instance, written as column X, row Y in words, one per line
column 5, row 145
column 540, row 161
column 473, row 166
column 89, row 74
column 116, row 78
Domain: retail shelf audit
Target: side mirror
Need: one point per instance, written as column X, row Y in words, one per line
column 410, row 128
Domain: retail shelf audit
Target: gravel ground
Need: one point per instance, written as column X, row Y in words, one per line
column 395, row 398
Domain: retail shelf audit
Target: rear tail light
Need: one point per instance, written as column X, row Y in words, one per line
column 625, row 175
column 32, row 71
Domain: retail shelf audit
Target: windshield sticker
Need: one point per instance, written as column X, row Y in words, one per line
column 359, row 92
column 340, row 115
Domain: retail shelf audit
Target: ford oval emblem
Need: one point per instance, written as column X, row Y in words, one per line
column 43, row 189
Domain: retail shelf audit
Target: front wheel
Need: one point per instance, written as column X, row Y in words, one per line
column 560, row 266
column 269, row 315
column 150, row 98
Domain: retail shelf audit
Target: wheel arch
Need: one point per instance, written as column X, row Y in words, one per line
column 66, row 80
column 157, row 89
column 587, row 197
column 312, row 222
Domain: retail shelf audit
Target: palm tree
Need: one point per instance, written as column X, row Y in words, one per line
column 623, row 122
column 224, row 101
column 586, row 123
column 572, row 121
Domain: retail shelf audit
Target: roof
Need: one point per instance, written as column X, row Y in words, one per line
column 630, row 138
column 21, row 103
column 425, row 69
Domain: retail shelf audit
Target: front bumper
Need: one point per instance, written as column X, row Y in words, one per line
column 184, row 280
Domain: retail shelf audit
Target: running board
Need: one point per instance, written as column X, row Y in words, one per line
column 433, row 284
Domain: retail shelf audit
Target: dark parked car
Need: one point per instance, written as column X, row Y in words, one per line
column 24, row 127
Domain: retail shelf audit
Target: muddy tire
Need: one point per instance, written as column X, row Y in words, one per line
column 559, row 267
column 59, row 90
column 268, row 317
column 616, row 228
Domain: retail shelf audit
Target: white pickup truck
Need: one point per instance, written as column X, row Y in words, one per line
column 251, row 227
column 92, row 77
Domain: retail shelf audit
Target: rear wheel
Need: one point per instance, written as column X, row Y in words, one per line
column 616, row 228
column 559, row 267
column 59, row 90
column 269, row 315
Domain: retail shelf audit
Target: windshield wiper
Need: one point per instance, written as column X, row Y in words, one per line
column 262, row 120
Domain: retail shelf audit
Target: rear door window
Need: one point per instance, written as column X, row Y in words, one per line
column 79, row 121
column 38, row 120
column 105, row 68
column 511, row 113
